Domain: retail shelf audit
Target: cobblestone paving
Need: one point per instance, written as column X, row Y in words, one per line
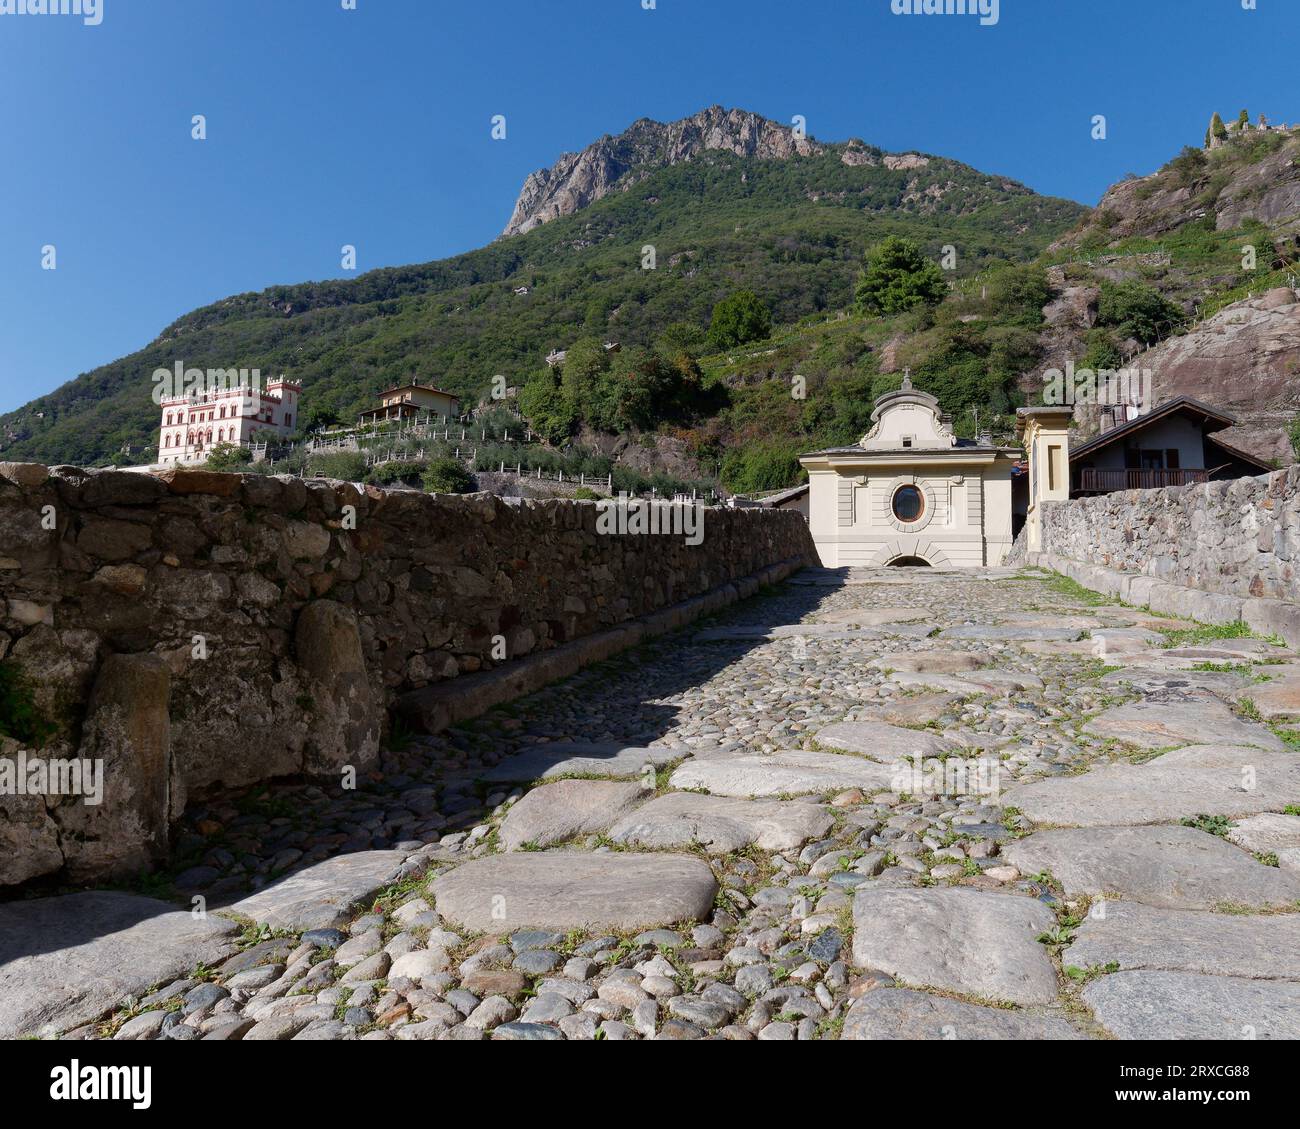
column 1093, row 831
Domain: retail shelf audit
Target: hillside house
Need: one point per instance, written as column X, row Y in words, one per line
column 408, row 400
column 1172, row 445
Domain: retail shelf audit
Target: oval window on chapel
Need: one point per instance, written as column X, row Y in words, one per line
column 909, row 502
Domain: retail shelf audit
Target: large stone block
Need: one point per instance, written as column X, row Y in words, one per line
column 127, row 739
column 346, row 720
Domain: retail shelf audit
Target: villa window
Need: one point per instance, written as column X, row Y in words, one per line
column 908, row 504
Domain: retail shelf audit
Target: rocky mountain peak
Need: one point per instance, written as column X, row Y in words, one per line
column 579, row 179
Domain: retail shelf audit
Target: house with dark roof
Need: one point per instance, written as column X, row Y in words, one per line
column 1174, row 444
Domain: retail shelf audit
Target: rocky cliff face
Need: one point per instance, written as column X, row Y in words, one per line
column 1255, row 177
column 1245, row 359
column 579, row 179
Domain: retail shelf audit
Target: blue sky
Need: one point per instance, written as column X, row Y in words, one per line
column 372, row 127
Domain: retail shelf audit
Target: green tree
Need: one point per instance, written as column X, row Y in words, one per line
column 448, row 476
column 764, row 466
column 1243, row 121
column 1217, row 128
column 228, row 457
column 738, row 319
column 546, row 408
column 1018, row 293
column 585, row 363
column 683, row 337
column 899, row 277
column 1136, row 310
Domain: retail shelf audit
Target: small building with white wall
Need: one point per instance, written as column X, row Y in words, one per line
column 910, row 492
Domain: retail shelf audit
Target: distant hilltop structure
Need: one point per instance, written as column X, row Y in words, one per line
column 193, row 424
column 1220, row 133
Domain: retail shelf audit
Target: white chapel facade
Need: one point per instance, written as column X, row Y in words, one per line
column 911, row 492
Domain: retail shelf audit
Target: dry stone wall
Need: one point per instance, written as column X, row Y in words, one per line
column 1220, row 551
column 195, row 631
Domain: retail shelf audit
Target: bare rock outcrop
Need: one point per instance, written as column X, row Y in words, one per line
column 579, row 179
column 1244, row 359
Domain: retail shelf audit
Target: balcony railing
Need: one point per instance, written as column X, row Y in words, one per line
column 1095, row 481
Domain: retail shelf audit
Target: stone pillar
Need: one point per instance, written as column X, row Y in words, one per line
column 1044, row 434
column 126, row 745
column 346, row 722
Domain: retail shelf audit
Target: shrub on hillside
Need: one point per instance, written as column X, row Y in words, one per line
column 346, row 466
column 448, row 476
column 739, row 319
column 404, row 470
column 1136, row 310
column 771, row 466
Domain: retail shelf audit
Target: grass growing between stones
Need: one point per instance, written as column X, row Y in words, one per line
column 1201, row 633
column 1071, row 589
column 1218, row 825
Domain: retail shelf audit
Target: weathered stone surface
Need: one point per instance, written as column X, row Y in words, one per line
column 1174, row 867
column 128, row 729
column 721, row 824
column 29, row 837
column 565, row 890
column 825, row 631
column 553, row 813
column 917, row 709
column 1156, row 724
column 873, row 617
column 320, row 896
column 947, row 683
column 67, row 961
column 1159, row 680
column 547, row 762
column 345, row 720
column 1009, row 634
column 1267, row 833
column 1182, row 1005
column 781, row 774
column 1132, row 935
column 966, row 941
column 1194, row 780
column 1108, row 641
column 897, row 1013
column 937, row 661
column 1277, row 699
column 881, row 741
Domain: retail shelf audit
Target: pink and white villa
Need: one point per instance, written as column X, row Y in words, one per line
column 192, row 425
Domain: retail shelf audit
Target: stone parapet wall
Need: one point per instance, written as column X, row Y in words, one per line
column 197, row 631
column 1219, row 552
